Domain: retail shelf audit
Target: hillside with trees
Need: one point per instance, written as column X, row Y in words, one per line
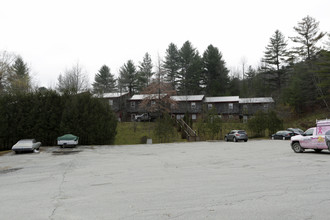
column 294, row 70
column 296, row 77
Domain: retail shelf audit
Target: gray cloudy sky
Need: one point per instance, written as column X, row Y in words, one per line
column 53, row 35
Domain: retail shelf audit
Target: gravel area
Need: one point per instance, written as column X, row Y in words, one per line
column 259, row 179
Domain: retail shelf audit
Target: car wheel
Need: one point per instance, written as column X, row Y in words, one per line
column 283, row 138
column 273, row 138
column 234, row 139
column 226, row 139
column 297, row 148
column 317, row 150
column 245, row 140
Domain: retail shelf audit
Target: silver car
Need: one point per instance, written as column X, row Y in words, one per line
column 25, row 145
column 236, row 135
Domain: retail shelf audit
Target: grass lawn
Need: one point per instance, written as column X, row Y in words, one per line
column 133, row 133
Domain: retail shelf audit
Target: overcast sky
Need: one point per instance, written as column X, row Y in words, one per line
column 52, row 36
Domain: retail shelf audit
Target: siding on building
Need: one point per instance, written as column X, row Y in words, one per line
column 226, row 106
column 118, row 102
column 249, row 106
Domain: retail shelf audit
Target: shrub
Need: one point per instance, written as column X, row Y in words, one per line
column 46, row 115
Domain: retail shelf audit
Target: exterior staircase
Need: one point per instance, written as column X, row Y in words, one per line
column 187, row 130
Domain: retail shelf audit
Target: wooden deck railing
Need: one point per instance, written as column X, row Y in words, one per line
column 189, row 132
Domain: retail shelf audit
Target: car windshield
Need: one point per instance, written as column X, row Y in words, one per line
column 241, row 132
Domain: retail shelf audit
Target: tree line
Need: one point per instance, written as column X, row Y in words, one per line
column 297, row 76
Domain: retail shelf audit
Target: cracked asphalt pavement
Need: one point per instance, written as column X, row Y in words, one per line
column 260, row 179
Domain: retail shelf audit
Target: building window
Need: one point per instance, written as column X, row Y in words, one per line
column 266, row 106
column 111, row 102
column 209, row 106
column 245, row 118
column 193, row 116
column 231, row 106
column 245, row 107
column 153, row 102
column 193, row 105
column 133, row 104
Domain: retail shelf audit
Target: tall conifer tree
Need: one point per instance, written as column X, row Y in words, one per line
column 274, row 59
column 128, row 77
column 189, row 76
column 104, row 81
column 171, row 64
column 308, row 37
column 215, row 73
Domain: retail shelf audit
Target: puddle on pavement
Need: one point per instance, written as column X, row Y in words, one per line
column 64, row 152
column 9, row 170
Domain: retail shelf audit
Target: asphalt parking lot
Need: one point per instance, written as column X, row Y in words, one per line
column 260, row 179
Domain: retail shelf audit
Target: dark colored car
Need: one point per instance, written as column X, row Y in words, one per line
column 236, row 135
column 297, row 131
column 283, row 135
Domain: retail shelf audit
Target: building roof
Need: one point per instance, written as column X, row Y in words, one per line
column 222, row 99
column 146, row 96
column 114, row 94
column 256, row 100
column 187, row 98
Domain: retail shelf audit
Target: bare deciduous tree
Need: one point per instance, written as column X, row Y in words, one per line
column 159, row 93
column 73, row 81
column 6, row 61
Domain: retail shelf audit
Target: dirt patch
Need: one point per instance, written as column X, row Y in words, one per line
column 4, row 152
column 9, row 170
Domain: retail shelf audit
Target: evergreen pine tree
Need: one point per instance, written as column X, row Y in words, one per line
column 104, row 81
column 171, row 64
column 276, row 52
column 189, row 76
column 19, row 79
column 215, row 73
column 274, row 58
column 128, row 77
column 308, row 37
column 145, row 72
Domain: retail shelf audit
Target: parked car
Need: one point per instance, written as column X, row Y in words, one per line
column 236, row 135
column 297, row 131
column 316, row 138
column 283, row 135
column 143, row 117
column 68, row 140
column 26, row 145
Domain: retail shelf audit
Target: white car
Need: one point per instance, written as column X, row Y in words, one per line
column 26, row 145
